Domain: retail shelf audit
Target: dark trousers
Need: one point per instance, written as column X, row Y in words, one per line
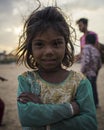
column 93, row 81
column 2, row 106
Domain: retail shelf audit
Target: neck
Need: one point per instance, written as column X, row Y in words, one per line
column 50, row 71
column 54, row 76
column 86, row 32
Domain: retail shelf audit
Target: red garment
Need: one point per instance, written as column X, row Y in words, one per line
column 2, row 106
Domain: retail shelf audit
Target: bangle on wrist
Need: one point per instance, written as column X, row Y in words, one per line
column 72, row 110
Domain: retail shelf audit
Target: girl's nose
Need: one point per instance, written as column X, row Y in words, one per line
column 48, row 50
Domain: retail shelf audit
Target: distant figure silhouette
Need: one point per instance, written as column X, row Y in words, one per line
column 2, row 105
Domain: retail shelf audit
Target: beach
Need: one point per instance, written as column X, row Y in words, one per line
column 8, row 92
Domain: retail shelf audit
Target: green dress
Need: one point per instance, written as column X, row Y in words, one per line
column 56, row 113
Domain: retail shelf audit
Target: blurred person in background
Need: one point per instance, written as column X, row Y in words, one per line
column 91, row 63
column 2, row 105
column 83, row 27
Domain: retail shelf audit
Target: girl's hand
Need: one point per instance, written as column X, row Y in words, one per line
column 29, row 97
column 75, row 107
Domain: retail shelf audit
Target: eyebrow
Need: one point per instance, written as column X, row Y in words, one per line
column 57, row 39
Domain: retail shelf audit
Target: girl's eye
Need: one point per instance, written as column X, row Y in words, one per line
column 38, row 44
column 57, row 43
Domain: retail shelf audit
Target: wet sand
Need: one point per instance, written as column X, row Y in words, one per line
column 8, row 91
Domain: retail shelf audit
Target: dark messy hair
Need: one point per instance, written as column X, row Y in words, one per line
column 38, row 22
column 90, row 39
column 83, row 20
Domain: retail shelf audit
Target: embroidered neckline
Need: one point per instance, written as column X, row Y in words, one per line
column 38, row 77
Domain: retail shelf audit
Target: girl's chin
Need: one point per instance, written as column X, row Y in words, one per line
column 49, row 69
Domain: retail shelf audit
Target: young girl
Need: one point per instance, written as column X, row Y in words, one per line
column 50, row 97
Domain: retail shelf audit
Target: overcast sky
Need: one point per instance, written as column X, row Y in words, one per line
column 12, row 13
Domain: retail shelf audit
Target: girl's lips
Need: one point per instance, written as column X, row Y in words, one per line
column 49, row 61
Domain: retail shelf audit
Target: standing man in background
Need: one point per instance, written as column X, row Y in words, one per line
column 83, row 27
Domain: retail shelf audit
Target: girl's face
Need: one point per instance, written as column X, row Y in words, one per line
column 48, row 49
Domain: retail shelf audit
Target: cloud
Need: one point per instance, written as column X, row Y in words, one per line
column 84, row 4
column 12, row 13
column 6, row 6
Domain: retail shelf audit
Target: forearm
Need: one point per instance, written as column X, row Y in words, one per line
column 80, row 122
column 38, row 115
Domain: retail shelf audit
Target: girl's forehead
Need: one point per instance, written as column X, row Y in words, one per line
column 48, row 33
column 48, row 30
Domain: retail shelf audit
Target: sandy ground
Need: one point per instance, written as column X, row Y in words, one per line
column 8, row 92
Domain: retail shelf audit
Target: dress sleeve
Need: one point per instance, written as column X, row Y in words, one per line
column 86, row 120
column 37, row 115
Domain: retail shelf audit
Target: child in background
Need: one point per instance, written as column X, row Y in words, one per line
column 91, row 63
column 51, row 97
